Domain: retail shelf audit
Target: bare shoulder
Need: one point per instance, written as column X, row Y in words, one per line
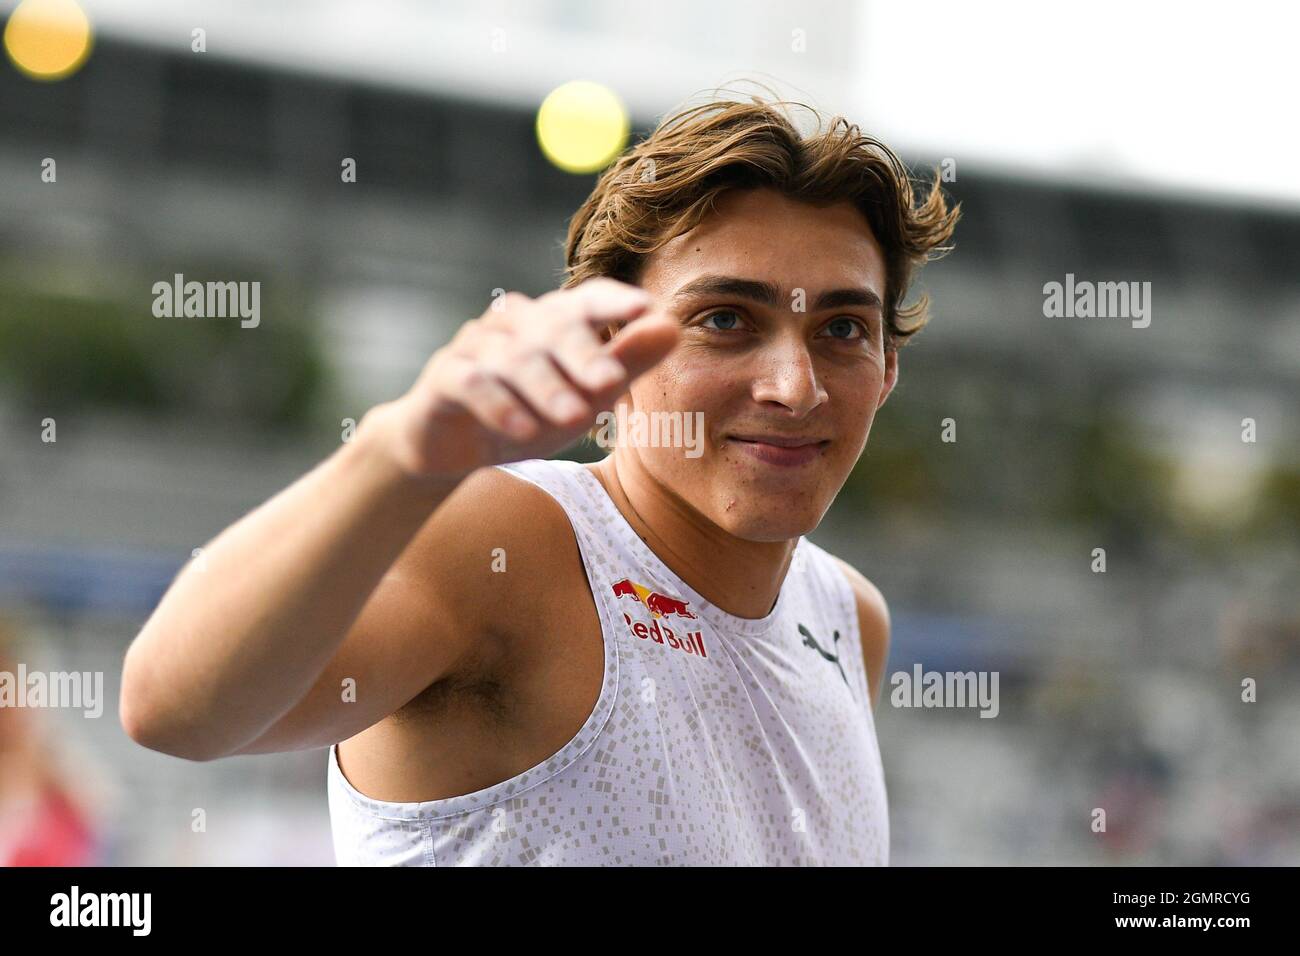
column 509, row 551
column 873, row 624
column 503, row 544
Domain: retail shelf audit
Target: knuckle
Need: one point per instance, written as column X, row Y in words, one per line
column 533, row 355
column 474, row 378
column 504, row 305
column 563, row 400
column 493, row 345
column 578, row 330
column 574, row 360
column 550, row 313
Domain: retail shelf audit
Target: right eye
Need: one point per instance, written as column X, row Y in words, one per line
column 721, row 315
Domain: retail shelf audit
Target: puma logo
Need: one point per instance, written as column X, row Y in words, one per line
column 810, row 641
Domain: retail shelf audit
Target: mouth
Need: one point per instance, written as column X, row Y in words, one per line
column 786, row 451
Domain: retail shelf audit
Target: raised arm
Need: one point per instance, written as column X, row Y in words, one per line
column 245, row 634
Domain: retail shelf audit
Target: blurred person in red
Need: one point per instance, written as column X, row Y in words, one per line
column 41, row 822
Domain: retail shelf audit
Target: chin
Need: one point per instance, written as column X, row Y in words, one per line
column 754, row 524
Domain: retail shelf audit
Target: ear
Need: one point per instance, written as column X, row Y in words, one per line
column 891, row 375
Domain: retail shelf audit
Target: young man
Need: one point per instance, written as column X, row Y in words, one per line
column 640, row 661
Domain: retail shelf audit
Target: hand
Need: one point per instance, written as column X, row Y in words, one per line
column 526, row 379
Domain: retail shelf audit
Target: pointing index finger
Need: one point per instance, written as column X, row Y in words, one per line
column 607, row 301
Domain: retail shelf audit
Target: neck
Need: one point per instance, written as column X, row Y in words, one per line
column 741, row 577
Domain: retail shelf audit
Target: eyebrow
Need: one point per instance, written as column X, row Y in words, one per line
column 767, row 293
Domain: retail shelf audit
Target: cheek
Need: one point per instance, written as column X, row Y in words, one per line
column 858, row 382
column 679, row 386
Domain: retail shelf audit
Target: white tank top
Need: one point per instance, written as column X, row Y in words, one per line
column 716, row 740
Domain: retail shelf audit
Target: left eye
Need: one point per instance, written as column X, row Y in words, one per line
column 848, row 324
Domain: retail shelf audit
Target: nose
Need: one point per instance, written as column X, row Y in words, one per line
column 788, row 377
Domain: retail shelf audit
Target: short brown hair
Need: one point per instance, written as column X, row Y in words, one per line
column 666, row 184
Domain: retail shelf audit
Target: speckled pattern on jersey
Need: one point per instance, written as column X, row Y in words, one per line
column 716, row 740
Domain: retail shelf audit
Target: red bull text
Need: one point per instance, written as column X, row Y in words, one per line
column 660, row 606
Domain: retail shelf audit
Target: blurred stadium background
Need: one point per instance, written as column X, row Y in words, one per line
column 1093, row 140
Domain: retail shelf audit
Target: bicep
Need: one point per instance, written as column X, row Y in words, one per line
column 405, row 639
column 432, row 616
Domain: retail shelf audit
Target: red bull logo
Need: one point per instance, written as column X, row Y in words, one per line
column 659, row 605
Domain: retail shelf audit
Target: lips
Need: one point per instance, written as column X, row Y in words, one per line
column 784, row 451
column 779, row 441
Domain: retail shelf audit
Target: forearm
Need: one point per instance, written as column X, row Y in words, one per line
column 243, row 633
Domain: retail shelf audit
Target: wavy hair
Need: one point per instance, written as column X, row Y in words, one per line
column 666, row 184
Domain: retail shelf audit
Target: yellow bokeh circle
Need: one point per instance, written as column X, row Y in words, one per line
column 582, row 126
column 48, row 39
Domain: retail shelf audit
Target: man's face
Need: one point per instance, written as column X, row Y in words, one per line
column 756, row 366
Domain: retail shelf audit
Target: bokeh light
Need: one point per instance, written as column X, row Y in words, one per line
column 48, row 39
column 582, row 126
